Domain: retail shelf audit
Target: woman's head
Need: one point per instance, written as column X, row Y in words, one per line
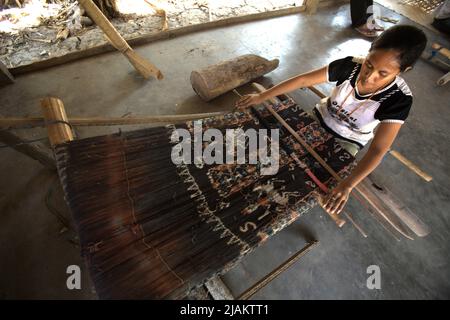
column 394, row 51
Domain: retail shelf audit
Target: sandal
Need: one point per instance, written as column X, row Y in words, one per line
column 366, row 32
column 377, row 27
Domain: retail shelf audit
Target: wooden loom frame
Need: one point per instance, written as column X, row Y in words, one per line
column 60, row 131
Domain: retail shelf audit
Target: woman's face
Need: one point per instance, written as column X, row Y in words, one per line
column 379, row 69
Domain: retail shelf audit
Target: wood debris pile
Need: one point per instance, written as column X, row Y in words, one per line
column 36, row 30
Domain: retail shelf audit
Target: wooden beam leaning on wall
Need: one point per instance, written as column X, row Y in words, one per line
column 311, row 6
column 5, row 76
column 143, row 66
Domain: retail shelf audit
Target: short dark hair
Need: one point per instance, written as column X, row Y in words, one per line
column 409, row 41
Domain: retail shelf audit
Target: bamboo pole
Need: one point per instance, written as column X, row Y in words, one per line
column 107, row 121
column 143, row 66
column 59, row 131
column 414, row 168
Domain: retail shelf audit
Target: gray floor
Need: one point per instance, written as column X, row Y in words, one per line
column 35, row 250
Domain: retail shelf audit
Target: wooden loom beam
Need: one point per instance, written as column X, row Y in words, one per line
column 58, row 127
column 36, row 151
column 106, row 121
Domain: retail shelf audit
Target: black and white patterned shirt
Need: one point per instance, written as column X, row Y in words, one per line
column 390, row 104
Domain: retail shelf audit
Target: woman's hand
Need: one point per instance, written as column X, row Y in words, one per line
column 337, row 198
column 249, row 100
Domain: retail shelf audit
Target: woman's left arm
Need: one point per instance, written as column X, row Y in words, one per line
column 384, row 137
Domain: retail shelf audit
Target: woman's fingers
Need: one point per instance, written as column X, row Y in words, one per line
column 243, row 102
column 341, row 206
column 335, row 203
column 333, row 197
column 247, row 101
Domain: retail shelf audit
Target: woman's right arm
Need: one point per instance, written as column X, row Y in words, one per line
column 301, row 81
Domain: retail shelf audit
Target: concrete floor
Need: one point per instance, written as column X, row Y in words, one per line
column 35, row 251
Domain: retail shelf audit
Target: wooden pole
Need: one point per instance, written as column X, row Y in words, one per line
column 59, row 130
column 105, row 121
column 414, row 168
column 311, row 6
column 143, row 66
column 5, row 76
column 277, row 271
column 36, row 151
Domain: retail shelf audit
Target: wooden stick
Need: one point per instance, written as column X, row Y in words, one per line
column 277, row 271
column 358, row 227
column 5, row 76
column 319, row 93
column 397, row 155
column 311, row 6
column 59, row 131
column 143, row 66
column 100, row 121
column 36, row 151
column 394, row 153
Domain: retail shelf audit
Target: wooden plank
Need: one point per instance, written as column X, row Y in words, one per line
column 145, row 39
column 5, row 76
column 398, row 208
column 382, row 210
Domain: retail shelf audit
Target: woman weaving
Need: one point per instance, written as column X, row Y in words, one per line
column 369, row 93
